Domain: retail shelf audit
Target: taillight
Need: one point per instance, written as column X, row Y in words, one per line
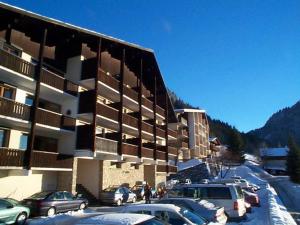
column 236, row 205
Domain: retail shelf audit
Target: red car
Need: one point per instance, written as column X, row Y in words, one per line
column 251, row 198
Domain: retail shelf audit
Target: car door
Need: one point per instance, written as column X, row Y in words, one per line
column 7, row 213
column 59, row 201
column 125, row 193
column 71, row 202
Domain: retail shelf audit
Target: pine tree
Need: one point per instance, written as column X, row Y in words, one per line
column 236, row 143
column 293, row 161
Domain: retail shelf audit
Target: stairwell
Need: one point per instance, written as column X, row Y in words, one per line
column 80, row 189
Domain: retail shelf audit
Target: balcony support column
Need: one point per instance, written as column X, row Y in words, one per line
column 140, row 142
column 166, row 128
column 121, row 90
column 33, row 117
column 8, row 34
column 98, row 65
column 154, row 111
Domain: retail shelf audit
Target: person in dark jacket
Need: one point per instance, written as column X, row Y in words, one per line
column 147, row 193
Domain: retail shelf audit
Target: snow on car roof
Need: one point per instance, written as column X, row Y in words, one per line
column 167, row 207
column 116, row 218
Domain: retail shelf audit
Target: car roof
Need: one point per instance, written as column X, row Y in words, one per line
column 207, row 185
column 155, row 206
column 116, row 218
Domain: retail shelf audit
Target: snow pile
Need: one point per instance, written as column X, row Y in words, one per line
column 188, row 164
column 253, row 158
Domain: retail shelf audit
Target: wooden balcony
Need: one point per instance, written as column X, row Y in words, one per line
column 16, row 64
column 161, row 169
column 52, row 119
column 147, row 127
column 172, row 169
column 108, row 80
column 106, row 145
column 184, row 145
column 147, row 153
column 185, row 133
column 161, row 155
column 130, row 93
column 86, row 104
column 129, row 149
column 147, row 103
column 51, row 160
column 58, row 81
column 172, row 133
column 160, row 132
column 130, row 120
column 108, row 112
column 11, row 157
column 172, row 150
column 14, row 109
column 160, row 111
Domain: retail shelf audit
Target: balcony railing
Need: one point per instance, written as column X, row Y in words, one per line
column 172, row 169
column 51, row 160
column 55, row 120
column 108, row 112
column 160, row 132
column 172, row 133
column 160, row 111
column 161, row 169
column 130, row 93
column 130, row 121
column 161, row 155
column 147, row 153
column 11, row 157
column 108, row 80
column 172, row 150
column 106, row 145
column 147, row 127
column 16, row 64
column 147, row 103
column 129, row 149
column 14, row 109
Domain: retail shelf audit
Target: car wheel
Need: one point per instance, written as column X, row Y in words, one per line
column 119, row 202
column 21, row 219
column 134, row 200
column 82, row 206
column 51, row 211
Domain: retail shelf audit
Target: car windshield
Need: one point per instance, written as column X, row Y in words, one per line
column 12, row 201
column 192, row 217
column 150, row 222
column 40, row 195
column 110, row 189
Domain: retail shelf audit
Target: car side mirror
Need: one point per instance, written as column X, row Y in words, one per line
column 9, row 206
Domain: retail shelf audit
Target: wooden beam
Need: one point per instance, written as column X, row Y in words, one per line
column 154, row 111
column 140, row 109
column 166, row 127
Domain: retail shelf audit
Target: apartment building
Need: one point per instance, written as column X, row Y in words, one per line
column 78, row 109
column 193, row 134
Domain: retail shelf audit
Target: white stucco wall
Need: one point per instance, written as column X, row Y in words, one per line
column 74, row 65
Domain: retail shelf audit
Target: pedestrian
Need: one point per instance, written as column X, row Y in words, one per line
column 147, row 193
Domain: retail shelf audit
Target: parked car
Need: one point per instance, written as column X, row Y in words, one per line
column 139, row 190
column 120, row 219
column 167, row 213
column 202, row 208
column 12, row 212
column 51, row 202
column 251, row 198
column 117, row 195
column 230, row 196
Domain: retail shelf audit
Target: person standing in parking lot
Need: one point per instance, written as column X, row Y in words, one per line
column 147, row 193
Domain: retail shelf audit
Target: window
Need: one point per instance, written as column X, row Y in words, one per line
column 7, row 91
column 59, row 196
column 29, row 100
column 68, row 196
column 4, row 136
column 218, row 193
column 23, row 141
column 191, row 192
column 4, row 204
column 142, row 212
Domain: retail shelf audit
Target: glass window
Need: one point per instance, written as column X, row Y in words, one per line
column 3, row 137
column 6, row 91
column 29, row 100
column 23, row 141
column 218, row 193
column 68, row 196
column 142, row 212
column 4, row 204
column 40, row 195
column 191, row 192
column 162, row 216
column 192, row 217
column 59, row 196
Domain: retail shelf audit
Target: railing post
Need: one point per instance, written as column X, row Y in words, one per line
column 140, row 143
column 154, row 117
column 8, row 34
column 38, row 71
column 166, row 128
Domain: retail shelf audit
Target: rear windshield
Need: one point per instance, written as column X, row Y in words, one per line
column 192, row 217
column 12, row 201
column 202, row 192
column 151, row 222
column 40, row 195
column 110, row 189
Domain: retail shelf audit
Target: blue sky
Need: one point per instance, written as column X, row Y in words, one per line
column 239, row 60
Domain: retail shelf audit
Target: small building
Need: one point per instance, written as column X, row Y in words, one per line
column 274, row 159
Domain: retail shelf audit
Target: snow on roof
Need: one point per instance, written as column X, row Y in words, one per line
column 68, row 25
column 274, row 151
column 190, row 110
column 188, row 164
column 116, row 218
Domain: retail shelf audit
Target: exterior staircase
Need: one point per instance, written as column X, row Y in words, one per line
column 80, row 189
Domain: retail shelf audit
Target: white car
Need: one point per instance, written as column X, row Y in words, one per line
column 167, row 214
column 230, row 196
column 120, row 219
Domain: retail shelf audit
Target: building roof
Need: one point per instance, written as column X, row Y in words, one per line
column 67, row 25
column 274, row 151
column 190, row 110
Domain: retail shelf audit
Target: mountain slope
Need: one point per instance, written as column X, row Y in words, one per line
column 281, row 124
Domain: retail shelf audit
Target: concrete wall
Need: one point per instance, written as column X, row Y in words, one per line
column 149, row 174
column 20, row 184
column 14, row 138
column 74, row 69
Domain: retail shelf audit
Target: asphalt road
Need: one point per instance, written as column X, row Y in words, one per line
column 286, row 197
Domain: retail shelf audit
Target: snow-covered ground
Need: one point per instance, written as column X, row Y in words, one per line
column 272, row 210
column 188, row 164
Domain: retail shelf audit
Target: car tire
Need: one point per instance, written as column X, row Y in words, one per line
column 119, row 202
column 134, row 200
column 21, row 218
column 51, row 211
column 82, row 206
